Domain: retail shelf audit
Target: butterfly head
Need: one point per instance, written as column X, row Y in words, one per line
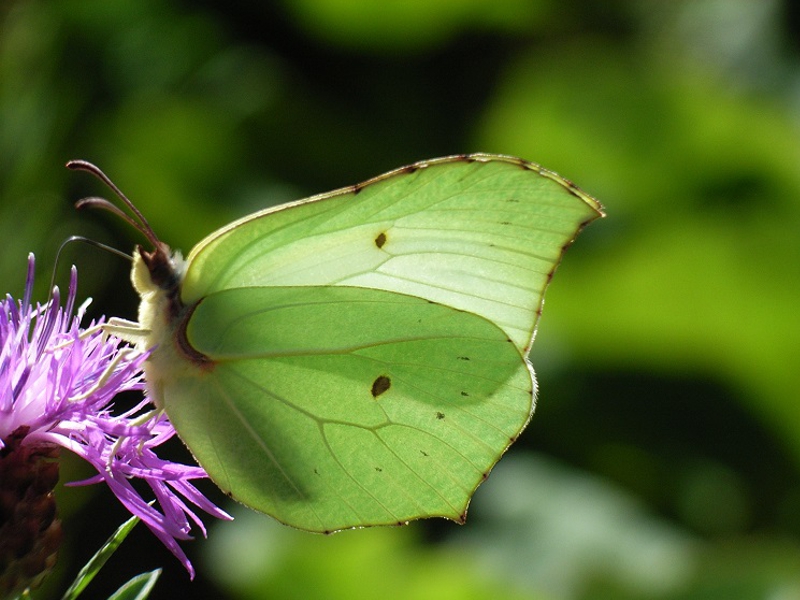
column 156, row 276
column 161, row 268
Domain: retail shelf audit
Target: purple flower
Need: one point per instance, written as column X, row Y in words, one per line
column 57, row 385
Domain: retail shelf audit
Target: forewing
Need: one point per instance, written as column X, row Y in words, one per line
column 479, row 233
column 336, row 407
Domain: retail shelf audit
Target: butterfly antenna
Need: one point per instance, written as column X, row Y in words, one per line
column 140, row 225
column 85, row 240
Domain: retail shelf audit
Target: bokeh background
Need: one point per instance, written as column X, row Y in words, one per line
column 663, row 461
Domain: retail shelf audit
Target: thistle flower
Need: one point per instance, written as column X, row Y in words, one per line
column 57, row 384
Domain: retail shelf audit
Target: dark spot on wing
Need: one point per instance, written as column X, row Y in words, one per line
column 463, row 358
column 425, row 454
column 465, row 394
column 505, row 222
column 440, row 415
column 379, row 470
column 380, row 385
column 380, row 240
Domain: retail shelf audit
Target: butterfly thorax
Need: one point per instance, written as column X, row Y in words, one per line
column 162, row 316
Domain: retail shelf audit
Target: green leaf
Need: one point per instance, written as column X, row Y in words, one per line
column 97, row 561
column 137, row 588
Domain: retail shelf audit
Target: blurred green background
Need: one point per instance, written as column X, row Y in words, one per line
column 664, row 458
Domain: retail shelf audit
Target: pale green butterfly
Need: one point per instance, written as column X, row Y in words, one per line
column 360, row 357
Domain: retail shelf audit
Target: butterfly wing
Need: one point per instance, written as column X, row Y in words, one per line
column 334, row 407
column 480, row 233
column 366, row 349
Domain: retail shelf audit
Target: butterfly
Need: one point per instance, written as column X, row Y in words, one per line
column 359, row 357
